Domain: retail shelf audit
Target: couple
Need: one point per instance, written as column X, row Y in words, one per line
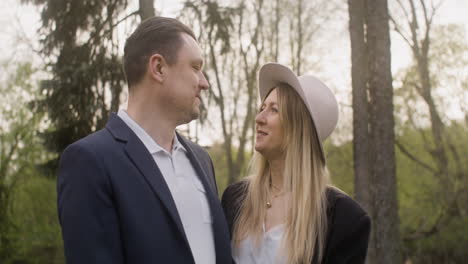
column 136, row 192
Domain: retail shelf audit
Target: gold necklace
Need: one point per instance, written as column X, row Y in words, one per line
column 268, row 203
column 280, row 192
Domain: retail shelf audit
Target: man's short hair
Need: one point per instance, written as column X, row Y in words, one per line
column 160, row 35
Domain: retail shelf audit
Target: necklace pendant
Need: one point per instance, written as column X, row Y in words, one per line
column 268, row 204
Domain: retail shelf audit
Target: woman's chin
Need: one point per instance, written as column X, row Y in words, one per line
column 259, row 148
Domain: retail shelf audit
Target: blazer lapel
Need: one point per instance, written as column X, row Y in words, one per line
column 139, row 155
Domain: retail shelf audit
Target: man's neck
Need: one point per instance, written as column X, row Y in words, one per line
column 158, row 127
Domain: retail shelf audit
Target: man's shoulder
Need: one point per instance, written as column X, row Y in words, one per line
column 94, row 142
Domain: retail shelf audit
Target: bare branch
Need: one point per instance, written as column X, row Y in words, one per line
column 426, row 17
column 111, row 28
column 399, row 30
column 413, row 157
column 413, row 24
column 442, row 219
column 404, row 10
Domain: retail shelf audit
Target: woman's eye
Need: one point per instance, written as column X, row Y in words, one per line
column 274, row 109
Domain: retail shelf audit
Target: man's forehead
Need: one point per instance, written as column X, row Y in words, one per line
column 191, row 46
column 189, row 41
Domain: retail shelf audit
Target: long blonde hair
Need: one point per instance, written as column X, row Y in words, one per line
column 305, row 176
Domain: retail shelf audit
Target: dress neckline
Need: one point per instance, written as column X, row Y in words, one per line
column 272, row 229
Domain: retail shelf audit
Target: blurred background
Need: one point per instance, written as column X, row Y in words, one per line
column 61, row 77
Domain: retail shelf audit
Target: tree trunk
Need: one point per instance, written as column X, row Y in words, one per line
column 373, row 126
column 300, row 43
column 385, row 226
column 360, row 106
column 276, row 30
column 146, row 9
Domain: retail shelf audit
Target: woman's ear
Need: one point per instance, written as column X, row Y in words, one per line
column 156, row 66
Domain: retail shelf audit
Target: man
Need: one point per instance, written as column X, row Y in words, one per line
column 136, row 191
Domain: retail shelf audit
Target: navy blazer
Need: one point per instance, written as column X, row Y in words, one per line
column 115, row 207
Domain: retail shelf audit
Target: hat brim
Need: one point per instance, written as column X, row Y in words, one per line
column 272, row 74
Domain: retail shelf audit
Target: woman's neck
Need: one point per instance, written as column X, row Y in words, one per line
column 276, row 172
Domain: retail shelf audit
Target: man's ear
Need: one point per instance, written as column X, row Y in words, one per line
column 156, row 67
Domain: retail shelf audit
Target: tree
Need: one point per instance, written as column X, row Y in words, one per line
column 306, row 19
column 370, row 38
column 422, row 80
column 357, row 17
column 237, row 40
column 86, row 81
column 19, row 145
column 234, row 43
column 439, row 67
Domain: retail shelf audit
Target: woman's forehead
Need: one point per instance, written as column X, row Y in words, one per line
column 272, row 96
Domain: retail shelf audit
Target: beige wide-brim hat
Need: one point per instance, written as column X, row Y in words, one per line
column 318, row 98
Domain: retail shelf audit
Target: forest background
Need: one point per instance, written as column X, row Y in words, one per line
column 399, row 70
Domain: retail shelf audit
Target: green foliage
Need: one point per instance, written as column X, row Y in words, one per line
column 218, row 156
column 422, row 196
column 434, row 231
column 340, row 165
column 36, row 234
column 217, row 20
column 433, row 181
column 86, row 77
column 20, row 151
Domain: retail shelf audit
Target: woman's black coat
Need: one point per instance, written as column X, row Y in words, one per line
column 348, row 224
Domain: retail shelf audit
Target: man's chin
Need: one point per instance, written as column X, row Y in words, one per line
column 193, row 116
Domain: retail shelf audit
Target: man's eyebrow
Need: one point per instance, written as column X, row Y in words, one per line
column 198, row 62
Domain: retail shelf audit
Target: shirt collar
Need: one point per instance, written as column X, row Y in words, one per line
column 147, row 140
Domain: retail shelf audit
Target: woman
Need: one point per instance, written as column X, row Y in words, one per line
column 287, row 211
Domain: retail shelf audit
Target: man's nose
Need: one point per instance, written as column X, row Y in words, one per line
column 204, row 85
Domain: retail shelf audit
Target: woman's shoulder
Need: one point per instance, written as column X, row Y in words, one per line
column 232, row 200
column 348, row 229
column 234, row 193
column 341, row 203
column 236, row 188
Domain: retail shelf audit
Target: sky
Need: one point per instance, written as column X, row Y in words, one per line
column 18, row 37
column 22, row 21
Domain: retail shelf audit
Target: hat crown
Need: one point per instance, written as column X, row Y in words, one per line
column 321, row 103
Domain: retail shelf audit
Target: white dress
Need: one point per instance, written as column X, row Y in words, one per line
column 268, row 252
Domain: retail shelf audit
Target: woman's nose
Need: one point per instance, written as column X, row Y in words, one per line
column 260, row 119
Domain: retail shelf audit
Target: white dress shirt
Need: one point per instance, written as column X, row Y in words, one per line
column 186, row 190
column 268, row 252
